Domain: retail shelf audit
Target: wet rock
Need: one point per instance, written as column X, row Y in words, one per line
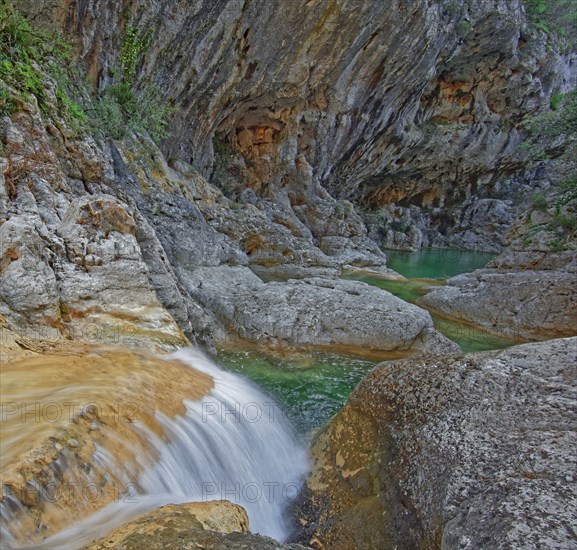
column 449, row 452
column 218, row 525
column 170, row 524
column 83, row 437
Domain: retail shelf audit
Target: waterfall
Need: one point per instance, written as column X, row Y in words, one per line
column 234, row 444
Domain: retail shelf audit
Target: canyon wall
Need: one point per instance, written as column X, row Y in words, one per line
column 289, row 119
column 378, row 102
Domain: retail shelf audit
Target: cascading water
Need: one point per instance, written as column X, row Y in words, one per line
column 234, row 445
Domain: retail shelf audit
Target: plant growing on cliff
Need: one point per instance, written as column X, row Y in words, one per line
column 555, row 17
column 32, row 61
column 22, row 49
column 554, row 133
column 133, row 48
column 19, row 47
column 539, row 202
column 121, row 107
column 560, row 121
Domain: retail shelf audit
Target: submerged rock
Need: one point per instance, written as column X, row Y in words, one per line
column 451, row 452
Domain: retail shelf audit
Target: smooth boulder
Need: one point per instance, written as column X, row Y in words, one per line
column 451, row 452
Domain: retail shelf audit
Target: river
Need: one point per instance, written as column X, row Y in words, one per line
column 251, row 433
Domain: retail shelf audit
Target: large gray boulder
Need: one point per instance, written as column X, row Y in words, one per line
column 524, row 295
column 322, row 313
column 453, row 453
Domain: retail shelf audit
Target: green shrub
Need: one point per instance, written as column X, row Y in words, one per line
column 119, row 110
column 463, row 28
column 27, row 57
column 121, row 107
column 452, row 8
column 556, row 101
column 539, row 201
column 554, row 133
column 555, row 17
column 564, row 221
column 556, row 244
column 568, row 192
column 21, row 49
column 7, row 105
column 555, row 123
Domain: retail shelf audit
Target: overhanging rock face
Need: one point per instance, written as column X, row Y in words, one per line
column 377, row 101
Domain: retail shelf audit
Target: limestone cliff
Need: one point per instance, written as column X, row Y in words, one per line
column 280, row 116
column 407, row 102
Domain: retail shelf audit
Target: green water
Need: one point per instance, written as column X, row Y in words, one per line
column 436, row 263
column 311, row 387
column 429, row 268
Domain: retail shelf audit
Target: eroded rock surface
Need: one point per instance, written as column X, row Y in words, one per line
column 76, row 430
column 451, row 452
column 72, row 266
column 312, row 313
column 152, row 255
column 313, row 92
column 525, row 294
column 218, row 525
column 408, row 103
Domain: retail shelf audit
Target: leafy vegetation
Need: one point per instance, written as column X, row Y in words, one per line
column 555, row 17
column 31, row 60
column 26, row 54
column 540, row 202
column 133, row 48
column 121, row 108
column 556, row 130
column 561, row 120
